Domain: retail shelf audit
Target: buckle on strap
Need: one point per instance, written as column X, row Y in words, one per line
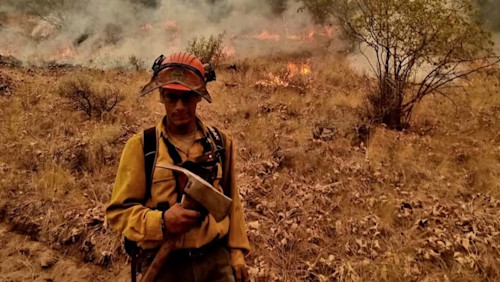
column 194, row 253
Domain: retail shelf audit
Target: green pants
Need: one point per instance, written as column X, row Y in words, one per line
column 212, row 264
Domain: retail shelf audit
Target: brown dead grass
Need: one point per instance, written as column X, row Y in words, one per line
column 321, row 202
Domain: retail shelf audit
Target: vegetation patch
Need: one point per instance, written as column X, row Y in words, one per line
column 94, row 100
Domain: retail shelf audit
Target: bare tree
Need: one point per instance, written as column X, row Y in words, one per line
column 419, row 47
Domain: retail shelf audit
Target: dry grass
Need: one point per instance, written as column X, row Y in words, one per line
column 322, row 202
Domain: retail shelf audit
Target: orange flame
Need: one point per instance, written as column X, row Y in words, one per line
column 305, row 36
column 305, row 69
column 294, row 37
column 310, row 35
column 284, row 80
column 266, row 35
column 170, row 24
column 293, row 69
column 63, row 54
column 277, row 81
column 147, row 26
column 228, row 51
column 329, row 31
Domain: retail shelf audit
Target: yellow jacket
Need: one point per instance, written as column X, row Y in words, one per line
column 142, row 223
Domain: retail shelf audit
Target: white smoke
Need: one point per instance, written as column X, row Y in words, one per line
column 109, row 32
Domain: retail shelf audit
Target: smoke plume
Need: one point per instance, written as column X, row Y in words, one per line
column 104, row 33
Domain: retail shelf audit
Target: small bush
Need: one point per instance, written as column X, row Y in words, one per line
column 208, row 50
column 5, row 85
column 10, row 61
column 136, row 62
column 87, row 96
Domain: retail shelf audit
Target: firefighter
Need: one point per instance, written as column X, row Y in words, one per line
column 144, row 205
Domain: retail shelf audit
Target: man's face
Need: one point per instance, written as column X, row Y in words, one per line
column 180, row 105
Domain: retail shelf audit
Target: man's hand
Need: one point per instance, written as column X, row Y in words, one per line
column 240, row 273
column 180, row 220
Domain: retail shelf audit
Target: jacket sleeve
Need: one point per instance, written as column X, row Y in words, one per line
column 126, row 213
column 237, row 240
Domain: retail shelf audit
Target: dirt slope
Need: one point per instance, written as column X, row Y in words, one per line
column 26, row 260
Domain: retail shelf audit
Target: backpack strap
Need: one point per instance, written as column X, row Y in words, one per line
column 149, row 149
column 216, row 136
column 177, row 160
column 219, row 142
column 149, row 146
column 172, row 151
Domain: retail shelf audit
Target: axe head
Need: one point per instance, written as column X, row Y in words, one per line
column 216, row 203
column 199, row 190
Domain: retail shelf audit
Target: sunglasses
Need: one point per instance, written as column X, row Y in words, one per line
column 173, row 98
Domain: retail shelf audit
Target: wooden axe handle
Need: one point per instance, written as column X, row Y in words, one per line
column 166, row 247
column 160, row 258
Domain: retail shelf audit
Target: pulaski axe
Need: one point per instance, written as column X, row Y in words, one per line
column 196, row 192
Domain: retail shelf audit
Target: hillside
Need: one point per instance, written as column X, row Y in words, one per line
column 326, row 196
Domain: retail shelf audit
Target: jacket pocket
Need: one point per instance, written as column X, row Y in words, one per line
column 163, row 188
column 162, row 174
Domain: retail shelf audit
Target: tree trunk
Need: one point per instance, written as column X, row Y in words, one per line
column 389, row 104
column 393, row 118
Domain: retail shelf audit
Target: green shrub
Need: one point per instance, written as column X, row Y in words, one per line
column 208, row 50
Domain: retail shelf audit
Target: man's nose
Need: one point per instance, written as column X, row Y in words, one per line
column 179, row 104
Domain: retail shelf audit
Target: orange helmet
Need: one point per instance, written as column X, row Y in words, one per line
column 180, row 71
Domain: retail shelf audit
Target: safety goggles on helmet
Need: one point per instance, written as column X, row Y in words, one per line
column 179, row 76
